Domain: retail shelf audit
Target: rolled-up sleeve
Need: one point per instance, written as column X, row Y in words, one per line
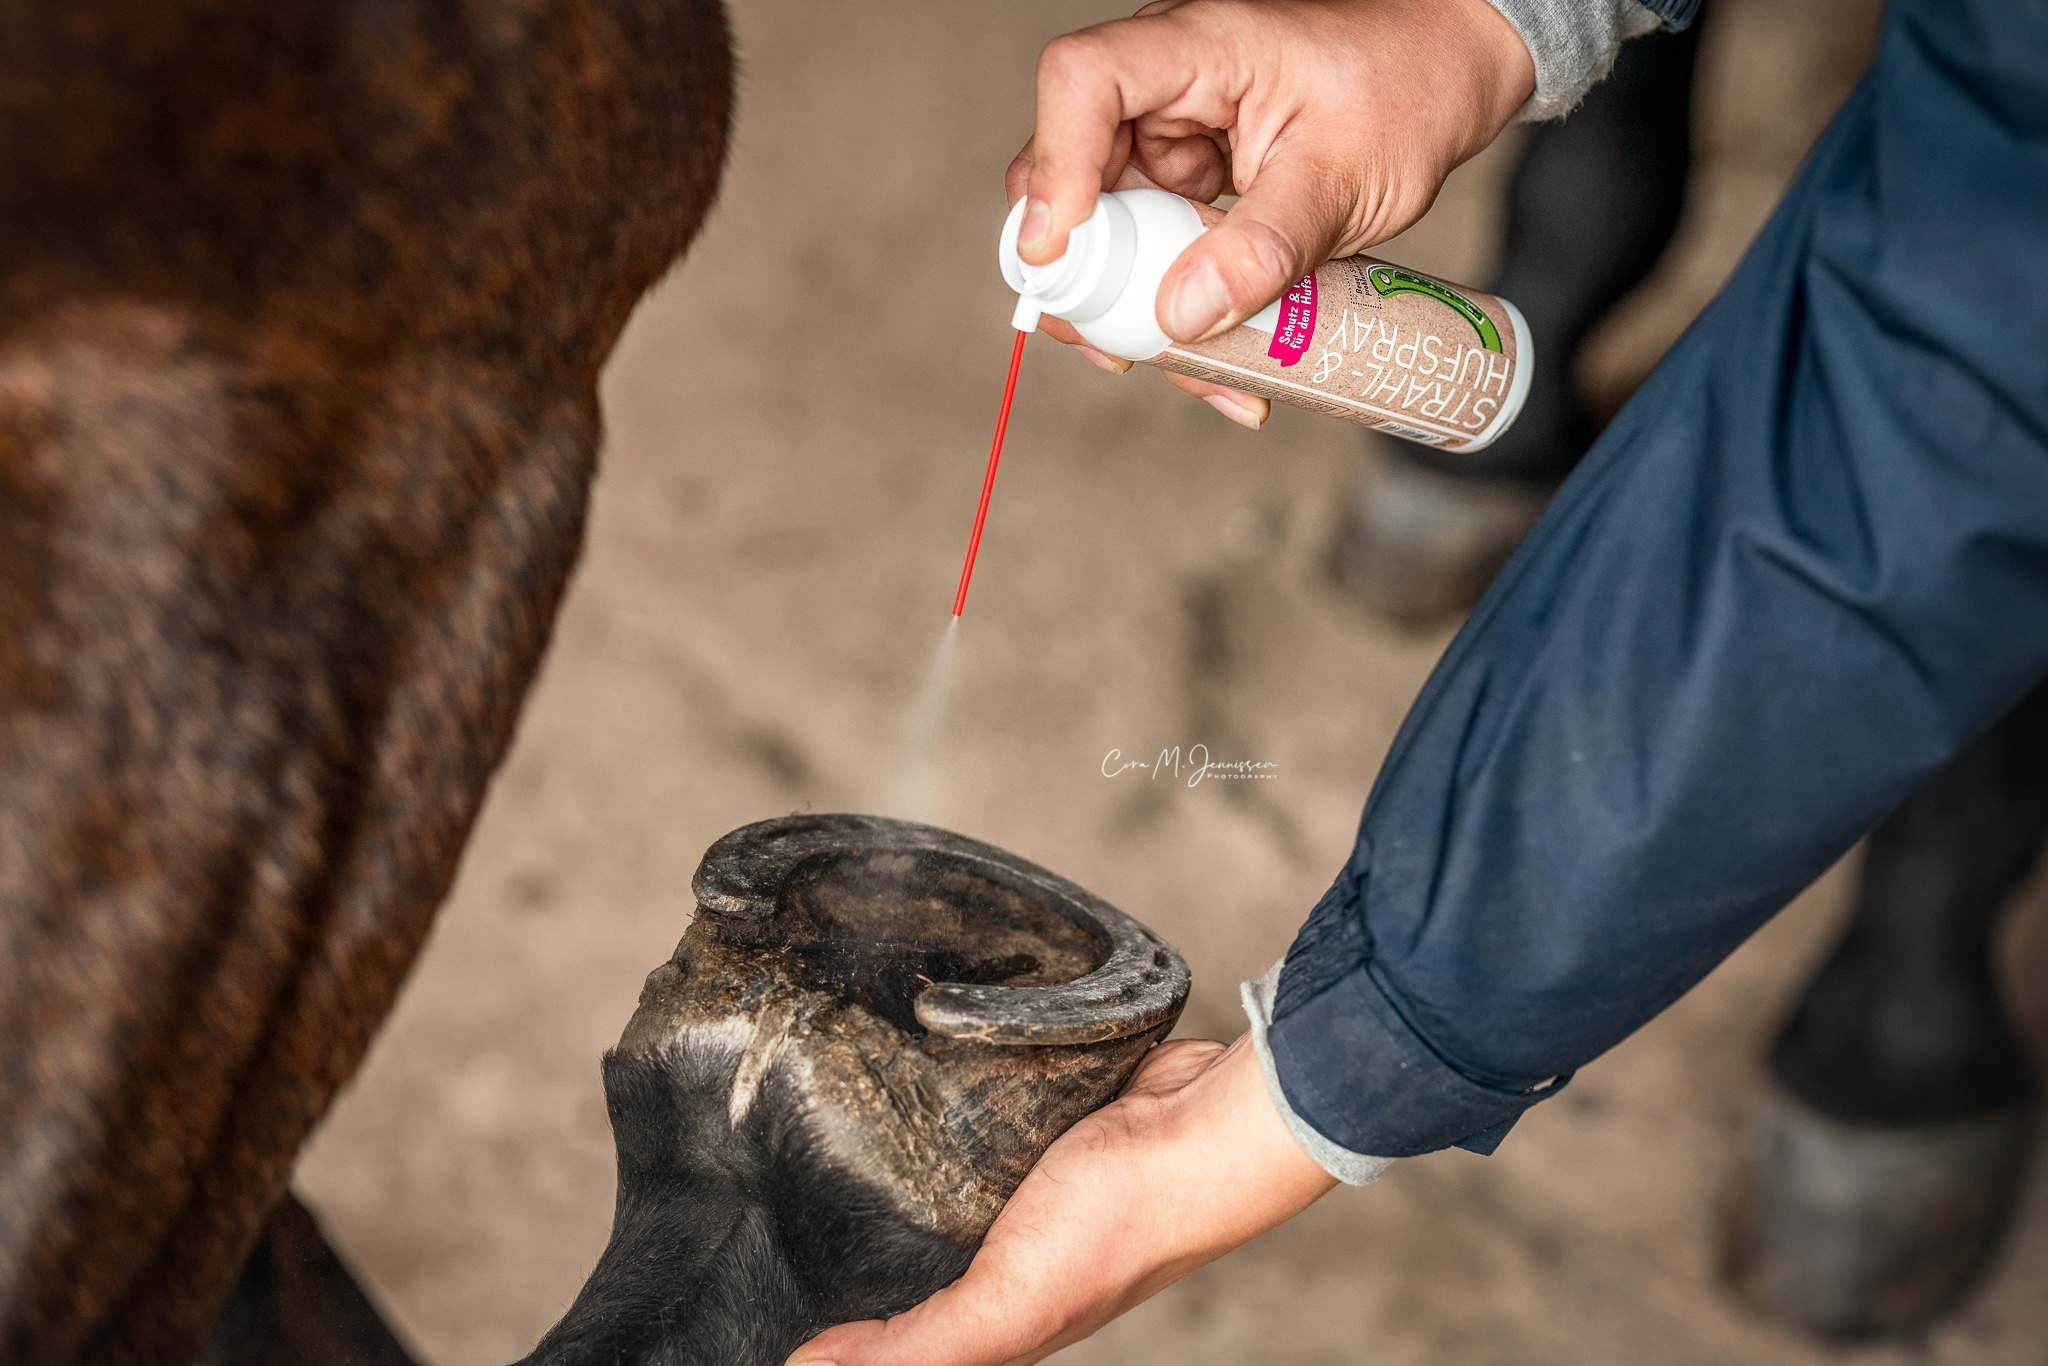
column 1801, row 569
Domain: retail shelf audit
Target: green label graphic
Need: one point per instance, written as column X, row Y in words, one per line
column 1393, row 280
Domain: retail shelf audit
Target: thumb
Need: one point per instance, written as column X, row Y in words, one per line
column 972, row 1322
column 1284, row 226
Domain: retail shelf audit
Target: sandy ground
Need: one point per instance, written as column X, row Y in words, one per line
column 796, row 425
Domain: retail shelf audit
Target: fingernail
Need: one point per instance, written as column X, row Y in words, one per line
column 1235, row 411
column 1199, row 306
column 1103, row 362
column 1030, row 237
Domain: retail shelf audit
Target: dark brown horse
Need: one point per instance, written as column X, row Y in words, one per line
column 302, row 308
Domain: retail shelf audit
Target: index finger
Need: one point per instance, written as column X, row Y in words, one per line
column 1117, row 174
column 1090, row 83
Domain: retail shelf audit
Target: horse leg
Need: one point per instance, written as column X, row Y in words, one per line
column 296, row 1303
column 1897, row 1118
column 302, row 309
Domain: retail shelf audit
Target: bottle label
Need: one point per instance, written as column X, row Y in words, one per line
column 1296, row 324
column 1375, row 343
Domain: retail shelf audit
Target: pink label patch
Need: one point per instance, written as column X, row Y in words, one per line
column 1297, row 322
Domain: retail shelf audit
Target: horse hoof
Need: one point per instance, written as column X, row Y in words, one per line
column 1417, row 545
column 1852, row 1229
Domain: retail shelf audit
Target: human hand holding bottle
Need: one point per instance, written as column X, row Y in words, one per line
column 1334, row 121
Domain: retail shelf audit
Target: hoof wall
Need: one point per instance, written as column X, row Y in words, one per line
column 1417, row 546
column 1853, row 1230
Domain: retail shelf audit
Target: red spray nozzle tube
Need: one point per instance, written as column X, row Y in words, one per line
column 988, row 479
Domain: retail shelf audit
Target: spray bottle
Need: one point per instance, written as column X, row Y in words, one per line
column 1358, row 338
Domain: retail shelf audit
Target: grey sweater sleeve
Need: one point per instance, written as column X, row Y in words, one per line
column 1573, row 43
column 1353, row 1169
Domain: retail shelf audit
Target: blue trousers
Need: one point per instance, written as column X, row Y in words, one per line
column 1803, row 567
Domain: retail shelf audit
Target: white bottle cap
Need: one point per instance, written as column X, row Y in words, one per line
column 1084, row 280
